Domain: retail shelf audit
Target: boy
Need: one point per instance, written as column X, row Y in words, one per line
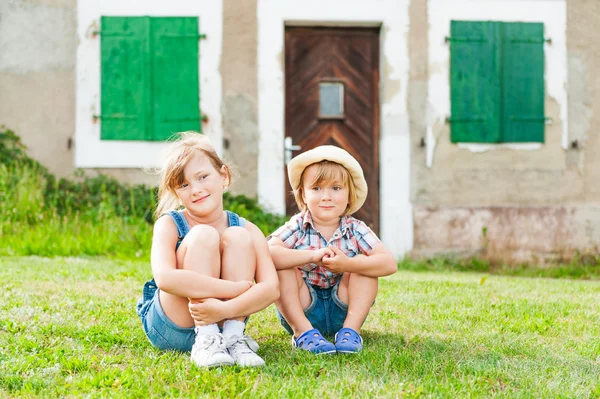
column 328, row 262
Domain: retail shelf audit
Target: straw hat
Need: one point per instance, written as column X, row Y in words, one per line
column 333, row 154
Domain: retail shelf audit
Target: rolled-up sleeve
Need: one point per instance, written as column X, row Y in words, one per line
column 289, row 232
column 366, row 239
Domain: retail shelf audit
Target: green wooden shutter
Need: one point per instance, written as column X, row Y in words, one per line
column 523, row 80
column 124, row 70
column 474, row 81
column 175, row 86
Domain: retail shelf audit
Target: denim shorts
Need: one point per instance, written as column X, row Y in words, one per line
column 160, row 330
column 326, row 311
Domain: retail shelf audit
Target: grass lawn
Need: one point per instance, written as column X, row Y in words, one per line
column 68, row 328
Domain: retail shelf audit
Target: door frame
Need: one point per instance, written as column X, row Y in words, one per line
column 396, row 219
column 374, row 34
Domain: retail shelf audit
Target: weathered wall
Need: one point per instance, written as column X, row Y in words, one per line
column 583, row 42
column 514, row 234
column 501, row 176
column 533, row 203
column 239, row 107
column 37, row 67
column 417, row 94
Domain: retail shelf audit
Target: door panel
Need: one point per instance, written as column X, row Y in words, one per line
column 349, row 56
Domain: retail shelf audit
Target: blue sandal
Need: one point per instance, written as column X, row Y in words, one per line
column 313, row 341
column 348, row 341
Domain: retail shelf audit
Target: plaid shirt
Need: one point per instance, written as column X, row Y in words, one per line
column 353, row 237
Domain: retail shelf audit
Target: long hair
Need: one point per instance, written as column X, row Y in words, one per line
column 180, row 153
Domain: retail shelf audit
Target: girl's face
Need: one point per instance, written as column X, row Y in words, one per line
column 202, row 190
column 326, row 201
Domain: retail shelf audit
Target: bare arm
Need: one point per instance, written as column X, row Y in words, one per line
column 180, row 282
column 380, row 262
column 285, row 258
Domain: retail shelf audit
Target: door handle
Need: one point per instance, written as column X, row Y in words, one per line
column 288, row 148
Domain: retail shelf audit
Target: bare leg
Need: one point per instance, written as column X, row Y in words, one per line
column 358, row 292
column 239, row 263
column 294, row 298
column 199, row 252
column 238, row 256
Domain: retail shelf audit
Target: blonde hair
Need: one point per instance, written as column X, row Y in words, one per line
column 182, row 150
column 328, row 172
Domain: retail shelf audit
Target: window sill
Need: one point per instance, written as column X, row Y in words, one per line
column 484, row 147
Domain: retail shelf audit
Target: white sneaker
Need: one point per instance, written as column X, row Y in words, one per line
column 209, row 350
column 242, row 350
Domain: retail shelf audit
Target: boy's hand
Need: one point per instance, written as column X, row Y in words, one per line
column 320, row 254
column 338, row 263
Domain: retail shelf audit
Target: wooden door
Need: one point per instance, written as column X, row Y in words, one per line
column 332, row 97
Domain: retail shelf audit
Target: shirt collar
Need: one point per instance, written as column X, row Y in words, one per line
column 307, row 220
column 344, row 222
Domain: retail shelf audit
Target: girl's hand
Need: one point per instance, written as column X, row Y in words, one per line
column 207, row 311
column 239, row 287
column 338, row 263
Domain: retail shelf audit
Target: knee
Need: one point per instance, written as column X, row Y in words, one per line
column 357, row 282
column 291, row 274
column 204, row 235
column 372, row 281
column 359, row 277
column 236, row 236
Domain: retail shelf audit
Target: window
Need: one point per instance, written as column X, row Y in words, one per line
column 149, row 77
column 497, row 82
column 331, row 100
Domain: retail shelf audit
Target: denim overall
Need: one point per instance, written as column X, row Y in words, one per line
column 162, row 332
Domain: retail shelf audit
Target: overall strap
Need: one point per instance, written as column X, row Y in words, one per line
column 234, row 220
column 181, row 223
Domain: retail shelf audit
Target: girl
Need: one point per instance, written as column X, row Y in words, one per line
column 204, row 261
column 328, row 262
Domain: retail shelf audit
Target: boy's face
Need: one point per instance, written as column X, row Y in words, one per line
column 326, row 201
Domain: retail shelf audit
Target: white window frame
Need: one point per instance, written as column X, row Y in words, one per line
column 552, row 13
column 90, row 150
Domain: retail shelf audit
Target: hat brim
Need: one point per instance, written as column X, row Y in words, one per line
column 334, row 154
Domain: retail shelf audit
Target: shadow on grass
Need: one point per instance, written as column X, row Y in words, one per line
column 382, row 354
column 420, row 357
column 424, row 362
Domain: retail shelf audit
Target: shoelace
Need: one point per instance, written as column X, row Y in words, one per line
column 208, row 341
column 241, row 344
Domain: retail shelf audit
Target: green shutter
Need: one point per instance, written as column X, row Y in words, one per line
column 523, row 80
column 123, row 70
column 474, row 81
column 175, row 85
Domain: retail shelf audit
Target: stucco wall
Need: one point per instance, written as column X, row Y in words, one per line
column 37, row 67
column 456, row 175
column 536, row 202
column 583, row 41
column 240, row 92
